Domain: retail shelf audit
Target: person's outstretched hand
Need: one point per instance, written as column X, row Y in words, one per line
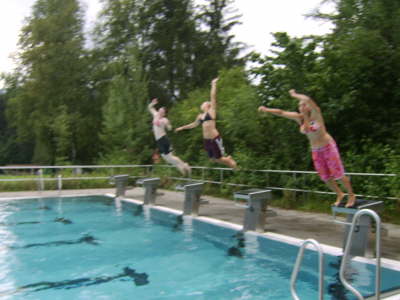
column 262, row 109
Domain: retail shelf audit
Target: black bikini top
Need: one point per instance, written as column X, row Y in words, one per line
column 207, row 117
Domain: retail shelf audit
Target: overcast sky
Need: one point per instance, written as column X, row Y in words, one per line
column 259, row 19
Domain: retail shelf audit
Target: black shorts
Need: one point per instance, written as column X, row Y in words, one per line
column 163, row 145
column 214, row 147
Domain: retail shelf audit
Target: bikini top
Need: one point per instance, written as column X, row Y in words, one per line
column 207, row 117
column 312, row 127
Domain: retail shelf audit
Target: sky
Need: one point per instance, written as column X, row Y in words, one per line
column 259, row 19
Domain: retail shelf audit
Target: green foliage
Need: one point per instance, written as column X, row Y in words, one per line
column 125, row 117
column 166, row 30
column 361, row 57
column 293, row 63
column 62, row 135
column 215, row 49
column 375, row 157
column 180, row 46
column 51, row 82
column 65, row 104
column 10, row 150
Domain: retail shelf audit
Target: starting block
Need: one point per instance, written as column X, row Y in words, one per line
column 193, row 192
column 256, row 208
column 120, row 181
column 150, row 186
column 360, row 236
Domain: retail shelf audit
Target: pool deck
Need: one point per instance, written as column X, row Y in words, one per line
column 300, row 225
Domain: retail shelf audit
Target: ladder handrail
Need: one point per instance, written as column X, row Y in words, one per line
column 345, row 257
column 297, row 268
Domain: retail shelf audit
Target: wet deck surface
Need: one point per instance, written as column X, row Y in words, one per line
column 301, row 225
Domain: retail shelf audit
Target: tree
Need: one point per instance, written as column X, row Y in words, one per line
column 126, row 131
column 180, row 46
column 215, row 48
column 11, row 151
column 362, row 58
column 51, row 60
column 166, row 33
column 293, row 64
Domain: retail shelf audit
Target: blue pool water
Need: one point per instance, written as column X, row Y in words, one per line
column 86, row 248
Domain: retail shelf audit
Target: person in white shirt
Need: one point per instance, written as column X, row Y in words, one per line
column 160, row 125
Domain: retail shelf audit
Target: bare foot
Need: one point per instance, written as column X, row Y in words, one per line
column 351, row 201
column 232, row 162
column 339, row 199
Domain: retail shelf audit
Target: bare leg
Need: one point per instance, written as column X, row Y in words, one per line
column 332, row 184
column 188, row 169
column 177, row 162
column 347, row 185
column 228, row 161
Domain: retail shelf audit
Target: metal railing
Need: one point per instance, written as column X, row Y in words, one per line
column 294, row 175
column 39, row 177
column 346, row 258
column 296, row 269
column 149, row 169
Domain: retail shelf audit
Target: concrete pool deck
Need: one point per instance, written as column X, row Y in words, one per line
column 297, row 224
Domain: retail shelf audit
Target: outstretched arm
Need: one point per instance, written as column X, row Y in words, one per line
column 213, row 93
column 190, row 125
column 281, row 113
column 304, row 98
column 151, row 108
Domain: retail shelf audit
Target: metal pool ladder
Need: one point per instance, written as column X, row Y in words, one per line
column 297, row 268
column 346, row 257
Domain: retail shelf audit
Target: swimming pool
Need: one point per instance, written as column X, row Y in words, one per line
column 89, row 248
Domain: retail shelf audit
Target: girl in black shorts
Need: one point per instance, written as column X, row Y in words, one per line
column 212, row 139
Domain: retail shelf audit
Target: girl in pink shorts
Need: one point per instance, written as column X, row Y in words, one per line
column 327, row 162
column 325, row 153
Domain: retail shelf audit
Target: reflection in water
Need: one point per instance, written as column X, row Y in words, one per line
column 178, row 225
column 252, row 244
column 188, row 228
column 336, row 289
column 240, row 243
column 138, row 279
column 44, row 207
column 138, row 211
column 88, row 239
column 63, row 220
column 19, row 223
column 57, row 220
column 147, row 214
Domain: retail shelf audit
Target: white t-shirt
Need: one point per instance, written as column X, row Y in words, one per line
column 159, row 127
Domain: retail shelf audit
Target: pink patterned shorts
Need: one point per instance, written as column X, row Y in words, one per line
column 327, row 162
